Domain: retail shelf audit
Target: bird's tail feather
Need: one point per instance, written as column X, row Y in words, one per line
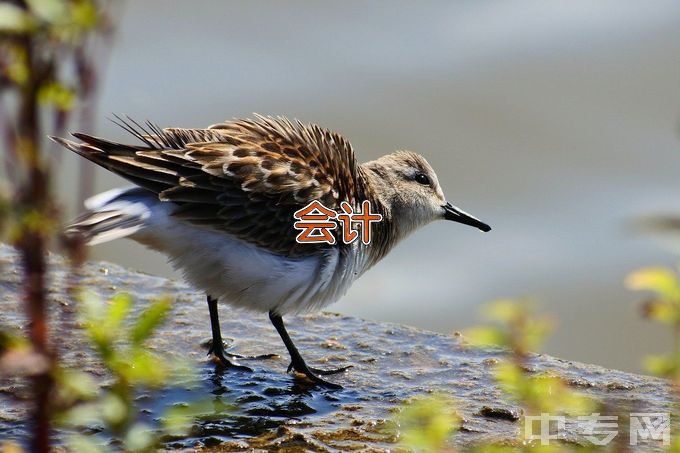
column 112, row 215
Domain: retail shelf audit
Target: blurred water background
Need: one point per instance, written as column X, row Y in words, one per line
column 556, row 122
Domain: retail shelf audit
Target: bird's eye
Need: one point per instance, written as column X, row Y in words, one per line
column 422, row 179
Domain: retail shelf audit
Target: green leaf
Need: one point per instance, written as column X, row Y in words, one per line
column 113, row 409
column 83, row 444
column 535, row 332
column 510, row 378
column 552, row 395
column 119, row 307
column 143, row 367
column 574, row 403
column 149, row 320
column 178, row 420
column 17, row 69
column 504, row 310
column 84, row 14
column 184, row 373
column 485, row 336
column 103, row 323
column 48, row 10
column 660, row 365
column 58, row 95
column 139, row 437
column 658, row 279
column 12, row 340
column 92, row 313
column 82, row 415
column 426, row 423
column 90, row 306
column 14, row 19
column 661, row 310
column 76, row 384
column 675, row 446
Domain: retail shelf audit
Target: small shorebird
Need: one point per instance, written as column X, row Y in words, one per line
column 220, row 202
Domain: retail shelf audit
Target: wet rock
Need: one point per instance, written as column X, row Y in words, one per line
column 503, row 413
column 271, row 410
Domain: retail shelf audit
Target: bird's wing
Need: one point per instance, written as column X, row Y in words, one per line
column 243, row 177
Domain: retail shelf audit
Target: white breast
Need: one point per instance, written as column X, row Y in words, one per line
column 245, row 275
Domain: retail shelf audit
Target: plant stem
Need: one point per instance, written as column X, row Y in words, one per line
column 33, row 197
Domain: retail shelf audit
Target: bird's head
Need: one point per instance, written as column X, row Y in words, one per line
column 411, row 192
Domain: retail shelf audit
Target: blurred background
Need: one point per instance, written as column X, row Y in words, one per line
column 555, row 122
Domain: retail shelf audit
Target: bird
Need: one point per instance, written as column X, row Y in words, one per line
column 221, row 202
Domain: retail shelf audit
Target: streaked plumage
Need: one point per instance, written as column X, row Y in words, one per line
column 220, row 201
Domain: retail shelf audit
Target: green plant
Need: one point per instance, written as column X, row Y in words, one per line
column 426, row 423
column 520, row 332
column 663, row 307
column 121, row 344
column 42, row 44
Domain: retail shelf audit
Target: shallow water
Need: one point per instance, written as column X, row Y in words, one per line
column 268, row 408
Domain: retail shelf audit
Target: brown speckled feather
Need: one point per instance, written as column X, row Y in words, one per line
column 244, row 177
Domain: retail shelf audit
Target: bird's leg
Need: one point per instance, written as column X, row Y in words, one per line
column 297, row 362
column 217, row 346
column 217, row 342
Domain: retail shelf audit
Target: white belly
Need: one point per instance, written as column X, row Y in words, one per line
column 245, row 275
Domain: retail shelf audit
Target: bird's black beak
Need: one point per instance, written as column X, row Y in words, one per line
column 453, row 213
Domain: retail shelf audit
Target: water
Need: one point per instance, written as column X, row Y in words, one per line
column 266, row 408
column 555, row 123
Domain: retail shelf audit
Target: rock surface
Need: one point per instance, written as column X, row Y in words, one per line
column 273, row 410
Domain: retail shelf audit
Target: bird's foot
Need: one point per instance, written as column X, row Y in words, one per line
column 312, row 374
column 220, row 358
column 224, row 353
column 332, row 371
column 259, row 357
column 251, row 357
column 322, row 372
column 225, row 359
column 224, row 362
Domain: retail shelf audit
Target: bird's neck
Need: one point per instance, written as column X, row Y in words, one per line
column 386, row 233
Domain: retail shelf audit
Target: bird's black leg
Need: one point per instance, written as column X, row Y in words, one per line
column 297, row 362
column 217, row 346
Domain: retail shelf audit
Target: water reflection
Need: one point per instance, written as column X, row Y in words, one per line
column 242, row 404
